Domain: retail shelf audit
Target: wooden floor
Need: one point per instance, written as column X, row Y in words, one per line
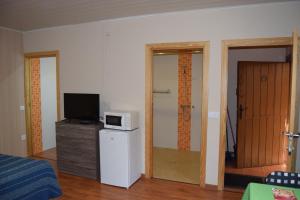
column 49, row 154
column 254, row 171
column 145, row 189
column 75, row 187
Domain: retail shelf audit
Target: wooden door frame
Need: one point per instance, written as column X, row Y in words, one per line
column 149, row 49
column 244, row 43
column 27, row 93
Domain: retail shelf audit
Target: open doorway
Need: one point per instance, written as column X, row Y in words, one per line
column 177, row 83
column 258, row 98
column 42, row 103
column 287, row 72
column 176, row 119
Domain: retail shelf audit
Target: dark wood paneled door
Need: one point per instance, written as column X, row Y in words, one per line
column 263, row 97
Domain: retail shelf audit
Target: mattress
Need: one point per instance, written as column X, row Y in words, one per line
column 27, row 179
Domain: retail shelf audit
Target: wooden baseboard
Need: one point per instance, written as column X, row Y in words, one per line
column 211, row 187
column 232, row 189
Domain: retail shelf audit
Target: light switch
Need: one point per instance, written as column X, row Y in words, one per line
column 23, row 137
column 213, row 115
column 22, row 108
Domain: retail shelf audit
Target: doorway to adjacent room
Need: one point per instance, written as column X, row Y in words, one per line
column 176, row 115
column 258, row 109
column 42, row 103
column 176, row 111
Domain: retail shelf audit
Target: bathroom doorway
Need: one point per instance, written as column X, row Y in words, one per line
column 178, row 122
column 42, row 103
column 176, row 115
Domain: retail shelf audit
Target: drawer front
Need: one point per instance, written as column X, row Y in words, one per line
column 79, row 144
column 80, row 163
column 77, row 150
column 78, row 170
column 74, row 132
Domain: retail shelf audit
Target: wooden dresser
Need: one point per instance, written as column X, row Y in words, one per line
column 78, row 148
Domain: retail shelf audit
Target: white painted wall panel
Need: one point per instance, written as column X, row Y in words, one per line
column 48, row 101
column 197, row 66
column 165, row 106
column 12, row 119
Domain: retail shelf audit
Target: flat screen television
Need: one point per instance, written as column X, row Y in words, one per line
column 84, row 107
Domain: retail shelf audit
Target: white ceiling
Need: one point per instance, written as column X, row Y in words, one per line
column 34, row 14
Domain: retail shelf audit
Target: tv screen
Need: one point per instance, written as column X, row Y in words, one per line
column 81, row 106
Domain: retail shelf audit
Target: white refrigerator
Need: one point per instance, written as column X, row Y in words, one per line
column 120, row 157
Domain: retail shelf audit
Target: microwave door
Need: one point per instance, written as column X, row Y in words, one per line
column 114, row 120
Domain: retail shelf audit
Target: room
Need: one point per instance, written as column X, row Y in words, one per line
column 106, row 49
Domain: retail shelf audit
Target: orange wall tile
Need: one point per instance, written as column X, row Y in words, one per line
column 184, row 100
column 36, row 123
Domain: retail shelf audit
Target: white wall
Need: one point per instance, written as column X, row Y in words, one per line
column 81, row 49
column 235, row 55
column 165, row 106
column 12, row 119
column 48, row 101
column 197, row 66
column 109, row 56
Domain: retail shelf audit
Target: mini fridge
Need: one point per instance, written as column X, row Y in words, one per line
column 120, row 157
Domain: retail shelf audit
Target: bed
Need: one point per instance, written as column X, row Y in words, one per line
column 27, row 179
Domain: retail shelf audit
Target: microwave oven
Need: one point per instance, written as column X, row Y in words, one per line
column 121, row 120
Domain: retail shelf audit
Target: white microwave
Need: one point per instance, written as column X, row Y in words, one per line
column 121, row 120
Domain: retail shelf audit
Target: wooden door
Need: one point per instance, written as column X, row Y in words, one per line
column 263, row 112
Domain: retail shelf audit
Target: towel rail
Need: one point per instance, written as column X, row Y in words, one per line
column 168, row 91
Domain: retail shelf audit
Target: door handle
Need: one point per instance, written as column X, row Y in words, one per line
column 291, row 136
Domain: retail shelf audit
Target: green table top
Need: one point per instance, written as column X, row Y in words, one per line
column 256, row 191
